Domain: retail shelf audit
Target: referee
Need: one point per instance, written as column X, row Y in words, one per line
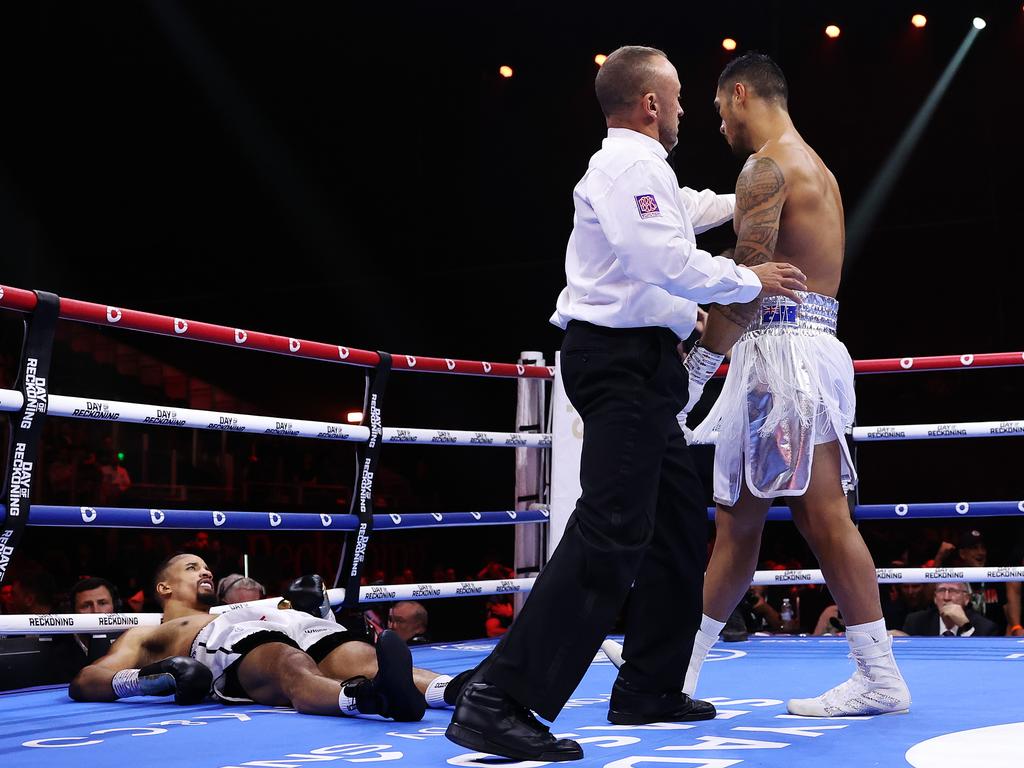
column 634, row 277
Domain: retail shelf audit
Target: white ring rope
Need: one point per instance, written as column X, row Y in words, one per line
column 897, row 575
column 172, row 416
column 57, row 624
column 939, row 431
column 922, row 431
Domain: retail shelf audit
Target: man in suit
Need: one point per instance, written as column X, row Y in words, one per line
column 950, row 615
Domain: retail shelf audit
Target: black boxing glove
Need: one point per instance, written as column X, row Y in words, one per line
column 189, row 680
column 309, row 594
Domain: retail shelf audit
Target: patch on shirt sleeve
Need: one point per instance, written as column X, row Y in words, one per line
column 647, row 206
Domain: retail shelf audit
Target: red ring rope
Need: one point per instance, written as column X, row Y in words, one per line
column 99, row 314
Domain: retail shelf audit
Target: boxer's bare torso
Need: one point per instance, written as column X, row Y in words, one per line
column 172, row 638
column 811, row 236
column 788, row 209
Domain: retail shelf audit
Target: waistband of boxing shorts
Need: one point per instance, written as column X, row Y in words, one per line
column 780, row 315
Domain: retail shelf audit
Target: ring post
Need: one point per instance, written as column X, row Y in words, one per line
column 531, row 474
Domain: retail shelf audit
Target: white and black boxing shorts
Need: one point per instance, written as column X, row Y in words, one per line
column 222, row 643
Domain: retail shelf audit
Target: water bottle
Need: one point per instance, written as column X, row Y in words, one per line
column 786, row 614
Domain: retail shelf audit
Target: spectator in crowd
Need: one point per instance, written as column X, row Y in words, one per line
column 495, row 571
column 236, row 588
column 988, row 598
column 900, row 600
column 443, row 573
column 809, row 602
column 409, row 619
column 136, row 601
column 408, row 576
column 759, row 614
column 114, row 477
column 94, row 595
column 374, row 618
column 950, row 615
column 499, row 615
column 33, row 592
column 830, row 622
column 7, row 598
column 60, row 475
column 88, row 478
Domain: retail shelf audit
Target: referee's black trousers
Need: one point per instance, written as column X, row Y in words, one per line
column 639, row 530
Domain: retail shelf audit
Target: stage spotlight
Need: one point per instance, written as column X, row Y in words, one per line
column 505, row 71
column 918, row 20
column 729, row 44
column 979, row 23
column 600, row 59
column 865, row 216
column 354, row 417
column 832, row 31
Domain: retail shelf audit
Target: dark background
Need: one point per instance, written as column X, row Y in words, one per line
column 360, row 174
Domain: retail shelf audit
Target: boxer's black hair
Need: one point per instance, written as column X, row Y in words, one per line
column 161, row 570
column 758, row 72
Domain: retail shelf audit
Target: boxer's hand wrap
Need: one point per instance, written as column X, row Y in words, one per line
column 700, row 364
column 309, row 595
column 186, row 678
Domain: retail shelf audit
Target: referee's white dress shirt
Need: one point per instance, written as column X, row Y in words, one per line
column 632, row 259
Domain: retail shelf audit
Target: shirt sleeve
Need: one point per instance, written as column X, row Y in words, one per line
column 707, row 209
column 645, row 226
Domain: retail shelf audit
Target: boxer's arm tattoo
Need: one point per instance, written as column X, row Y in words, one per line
column 760, row 194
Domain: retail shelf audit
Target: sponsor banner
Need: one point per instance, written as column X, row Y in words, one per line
column 939, row 431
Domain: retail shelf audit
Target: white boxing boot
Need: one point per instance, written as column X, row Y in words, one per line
column 876, row 688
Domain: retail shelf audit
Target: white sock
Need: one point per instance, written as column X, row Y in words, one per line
column 435, row 691
column 872, row 642
column 712, row 627
column 613, row 651
column 865, row 636
column 705, row 638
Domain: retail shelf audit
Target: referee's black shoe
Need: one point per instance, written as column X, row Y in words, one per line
column 631, row 706
column 486, row 720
